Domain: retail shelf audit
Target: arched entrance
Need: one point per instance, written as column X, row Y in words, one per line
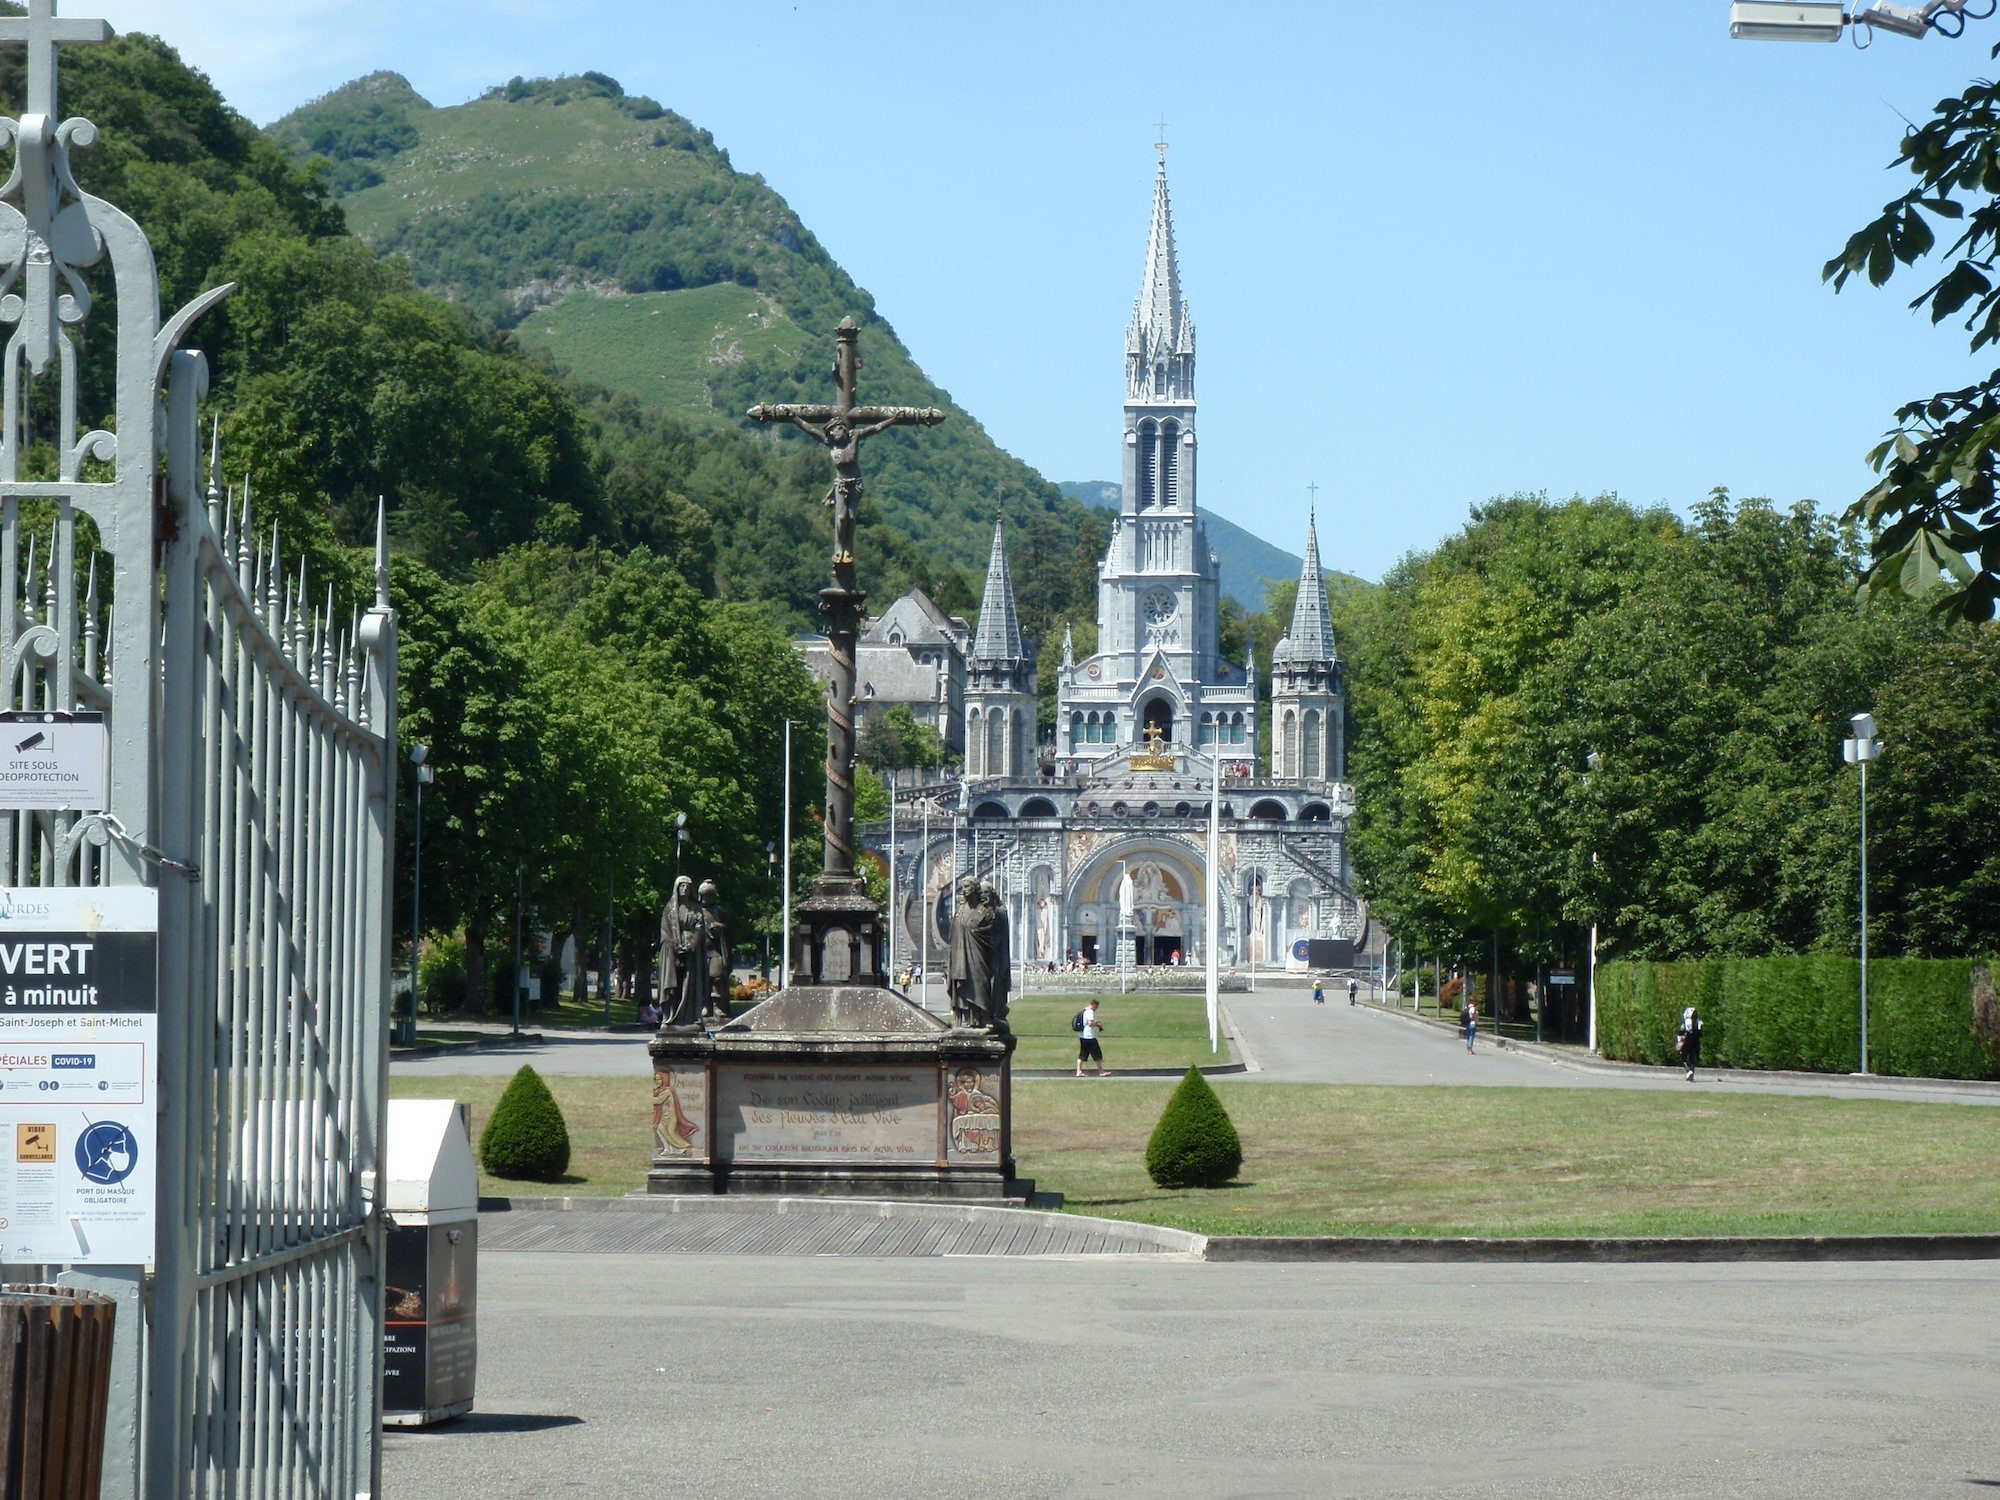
column 1168, row 896
column 1159, row 714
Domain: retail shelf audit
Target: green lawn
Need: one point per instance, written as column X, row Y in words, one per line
column 1329, row 1160
column 1140, row 1031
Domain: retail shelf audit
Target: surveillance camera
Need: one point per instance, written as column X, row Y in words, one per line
column 1786, row 20
column 1904, row 20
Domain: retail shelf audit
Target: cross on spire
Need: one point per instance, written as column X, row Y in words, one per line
column 43, row 33
column 1161, row 144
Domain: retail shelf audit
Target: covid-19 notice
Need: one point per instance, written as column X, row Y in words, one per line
column 79, row 1050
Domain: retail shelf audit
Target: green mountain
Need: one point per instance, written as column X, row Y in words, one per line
column 1248, row 561
column 616, row 236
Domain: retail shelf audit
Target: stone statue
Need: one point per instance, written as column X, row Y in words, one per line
column 683, row 959
column 715, row 939
column 970, row 976
column 1000, row 951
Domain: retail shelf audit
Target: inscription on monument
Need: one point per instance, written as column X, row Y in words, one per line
column 847, row 1115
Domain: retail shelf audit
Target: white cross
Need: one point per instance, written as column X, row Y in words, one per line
column 43, row 33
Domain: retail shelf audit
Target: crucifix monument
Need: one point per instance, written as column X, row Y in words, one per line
column 837, row 1084
column 836, row 936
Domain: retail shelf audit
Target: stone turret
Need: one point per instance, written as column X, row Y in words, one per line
column 1000, row 679
column 1308, row 690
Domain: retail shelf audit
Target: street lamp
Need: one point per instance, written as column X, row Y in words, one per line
column 680, row 842
column 1591, row 762
column 420, row 757
column 1859, row 750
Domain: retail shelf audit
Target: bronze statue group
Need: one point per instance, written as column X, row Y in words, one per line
column 695, row 973
column 694, row 956
column 980, row 975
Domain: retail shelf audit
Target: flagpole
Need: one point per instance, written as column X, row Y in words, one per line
column 893, row 903
column 785, row 921
column 1214, row 899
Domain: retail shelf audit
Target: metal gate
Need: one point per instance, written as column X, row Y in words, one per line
column 251, row 765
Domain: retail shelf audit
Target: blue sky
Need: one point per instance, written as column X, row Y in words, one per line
column 1435, row 252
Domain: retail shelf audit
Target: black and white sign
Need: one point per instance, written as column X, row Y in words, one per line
column 52, row 760
column 79, row 1095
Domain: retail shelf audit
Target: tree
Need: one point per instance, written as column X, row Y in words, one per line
column 1935, row 515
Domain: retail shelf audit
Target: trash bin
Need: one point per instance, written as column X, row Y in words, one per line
column 429, row 1336
column 55, row 1378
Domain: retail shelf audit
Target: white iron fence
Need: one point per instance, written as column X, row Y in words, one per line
column 250, row 780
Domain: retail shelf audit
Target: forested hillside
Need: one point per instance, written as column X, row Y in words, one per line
column 566, row 657
column 612, row 233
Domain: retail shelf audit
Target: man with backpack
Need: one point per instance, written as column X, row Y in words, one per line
column 1689, row 1039
column 1086, row 1025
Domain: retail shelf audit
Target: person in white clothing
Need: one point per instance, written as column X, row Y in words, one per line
column 1087, row 1048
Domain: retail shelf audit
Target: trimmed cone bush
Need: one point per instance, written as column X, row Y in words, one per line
column 526, row 1140
column 1194, row 1145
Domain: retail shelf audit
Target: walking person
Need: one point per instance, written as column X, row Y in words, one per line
column 1468, row 1019
column 1088, row 1049
column 1689, row 1039
column 1353, row 990
column 1319, row 993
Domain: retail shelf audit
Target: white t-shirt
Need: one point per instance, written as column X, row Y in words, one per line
column 1090, row 1023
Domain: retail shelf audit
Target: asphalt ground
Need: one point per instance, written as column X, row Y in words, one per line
column 637, row 1375
column 835, row 1356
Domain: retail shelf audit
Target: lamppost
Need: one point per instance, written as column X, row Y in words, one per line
column 1859, row 750
column 680, row 842
column 420, row 757
column 1590, row 762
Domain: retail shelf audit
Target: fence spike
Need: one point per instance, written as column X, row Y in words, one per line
column 90, row 618
column 381, row 553
column 273, row 589
column 215, row 498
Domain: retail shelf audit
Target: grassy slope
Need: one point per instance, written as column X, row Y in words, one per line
column 490, row 145
column 663, row 346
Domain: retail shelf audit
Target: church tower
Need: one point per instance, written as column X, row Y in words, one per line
column 1308, row 693
column 1158, row 671
column 999, row 680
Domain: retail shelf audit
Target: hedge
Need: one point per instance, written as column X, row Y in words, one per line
column 1802, row 1013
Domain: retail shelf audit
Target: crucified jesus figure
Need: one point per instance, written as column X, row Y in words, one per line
column 841, row 429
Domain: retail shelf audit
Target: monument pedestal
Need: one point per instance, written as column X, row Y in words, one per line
column 845, row 1090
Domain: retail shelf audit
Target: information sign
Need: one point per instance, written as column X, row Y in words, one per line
column 79, row 1068
column 53, row 760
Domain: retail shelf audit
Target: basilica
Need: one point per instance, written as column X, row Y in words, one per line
column 1143, row 728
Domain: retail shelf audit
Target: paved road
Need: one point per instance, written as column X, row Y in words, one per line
column 616, row 1375
column 1288, row 1039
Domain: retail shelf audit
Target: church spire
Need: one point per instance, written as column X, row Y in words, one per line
column 1311, row 637
column 999, row 636
column 1159, row 344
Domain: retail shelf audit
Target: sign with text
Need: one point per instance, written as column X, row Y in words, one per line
column 1562, row 976
column 843, row 1114
column 79, row 1049
column 53, row 760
